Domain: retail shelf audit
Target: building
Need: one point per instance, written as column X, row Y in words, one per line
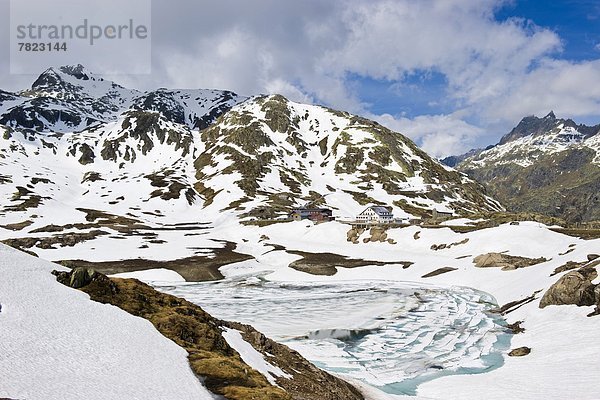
column 376, row 215
column 313, row 214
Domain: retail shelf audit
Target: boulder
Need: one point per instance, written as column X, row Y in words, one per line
column 520, row 352
column 575, row 287
column 353, row 234
column 77, row 278
column 378, row 234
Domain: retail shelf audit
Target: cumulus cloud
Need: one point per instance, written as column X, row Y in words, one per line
column 439, row 135
column 494, row 72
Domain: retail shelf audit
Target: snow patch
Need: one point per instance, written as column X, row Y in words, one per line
column 252, row 357
column 58, row 344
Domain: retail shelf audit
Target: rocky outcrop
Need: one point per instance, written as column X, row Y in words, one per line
column 439, row 271
column 545, row 165
column 515, row 305
column 443, row 246
column 575, row 287
column 66, row 239
column 353, row 234
column 520, row 352
column 568, row 266
column 505, row 261
column 378, row 234
column 313, row 383
column 77, row 278
column 327, row 263
column 210, row 356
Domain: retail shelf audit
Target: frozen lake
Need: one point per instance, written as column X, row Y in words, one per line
column 391, row 335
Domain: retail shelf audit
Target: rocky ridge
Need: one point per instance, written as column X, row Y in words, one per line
column 75, row 141
column 544, row 165
column 211, row 357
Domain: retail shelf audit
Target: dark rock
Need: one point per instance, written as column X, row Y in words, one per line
column 568, row 266
column 592, row 257
column 439, row 271
column 87, row 154
column 514, row 305
column 531, row 125
column 77, row 278
column 516, row 327
column 520, row 352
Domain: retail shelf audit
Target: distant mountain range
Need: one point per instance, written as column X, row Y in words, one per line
column 545, row 165
column 77, row 141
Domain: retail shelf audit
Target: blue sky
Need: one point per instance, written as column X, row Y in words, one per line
column 450, row 74
column 575, row 22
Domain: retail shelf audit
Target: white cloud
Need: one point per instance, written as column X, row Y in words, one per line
column 439, row 135
column 495, row 72
column 566, row 87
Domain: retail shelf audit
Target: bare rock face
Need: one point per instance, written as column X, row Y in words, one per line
column 592, row 257
column 575, row 287
column 77, row 278
column 505, row 261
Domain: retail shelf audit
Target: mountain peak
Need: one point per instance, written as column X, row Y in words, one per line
column 59, row 78
column 531, row 125
column 77, row 71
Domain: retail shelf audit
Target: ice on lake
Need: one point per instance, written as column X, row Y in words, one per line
column 391, row 335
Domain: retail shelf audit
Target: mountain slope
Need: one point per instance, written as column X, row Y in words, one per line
column 55, row 343
column 545, row 165
column 279, row 153
column 75, row 141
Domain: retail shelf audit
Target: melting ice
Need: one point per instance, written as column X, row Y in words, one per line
column 392, row 335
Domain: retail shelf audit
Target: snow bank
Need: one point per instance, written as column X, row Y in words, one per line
column 57, row 344
column 152, row 275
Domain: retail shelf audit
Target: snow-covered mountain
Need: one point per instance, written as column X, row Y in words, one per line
column 75, row 140
column 161, row 186
column 546, row 165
